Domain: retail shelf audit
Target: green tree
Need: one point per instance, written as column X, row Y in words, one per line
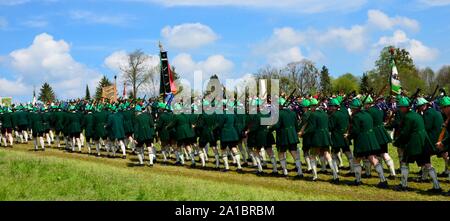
column 325, row 81
column 443, row 78
column 429, row 78
column 346, row 83
column 364, row 83
column 88, row 93
column 408, row 73
column 104, row 82
column 46, row 94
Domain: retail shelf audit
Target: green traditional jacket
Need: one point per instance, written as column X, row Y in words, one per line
column 74, row 123
column 36, row 123
column 46, row 118
column 6, row 120
column 286, row 128
column 433, row 121
column 20, row 118
column 182, row 123
column 252, row 125
column 317, row 129
column 59, row 121
column 206, row 125
column 381, row 134
column 114, row 126
column 306, row 138
column 363, row 134
column 128, row 121
column 144, row 127
column 228, row 132
column 100, row 119
column 165, row 134
column 413, row 135
column 88, row 125
column 338, row 125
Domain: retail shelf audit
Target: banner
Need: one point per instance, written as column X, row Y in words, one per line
column 110, row 92
column 396, row 87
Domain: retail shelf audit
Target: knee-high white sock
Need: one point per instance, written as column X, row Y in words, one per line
column 432, row 173
column 25, row 136
column 225, row 161
column 405, row 172
column 97, row 147
column 52, row 136
column 79, row 144
column 367, row 167
column 341, row 162
column 284, row 166
column 89, row 147
column 308, row 161
column 82, row 139
column 202, row 158
column 263, row 155
column 151, row 155
column 58, row 141
column 192, row 157
column 186, row 153
column 233, row 157
column 323, row 164
column 216, row 156
column 391, row 166
column 243, row 152
column 205, row 151
column 358, row 171
column 164, row 153
column 11, row 141
column 49, row 141
column 258, row 163
column 298, row 165
column 4, row 141
column 314, row 167
column 140, row 154
column 36, row 143
column 181, row 155
column 350, row 160
column 380, row 172
column 122, row 146
column 274, row 164
column 254, row 161
column 238, row 160
column 41, row 141
column 334, row 166
column 21, row 138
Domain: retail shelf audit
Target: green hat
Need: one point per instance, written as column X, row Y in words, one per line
column 334, row 102
column 281, row 101
column 305, row 103
column 368, row 100
column 177, row 107
column 421, row 101
column 206, row 103
column 403, row 102
column 314, row 101
column 161, row 105
column 356, row 103
column 339, row 99
column 445, row 101
column 72, row 107
column 256, row 102
column 138, row 108
column 231, row 104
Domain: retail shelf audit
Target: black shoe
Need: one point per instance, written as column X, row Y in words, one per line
column 150, row 165
column 260, row 173
column 401, row 188
column 349, row 174
column 193, row 165
column 443, row 174
column 239, row 171
column 383, row 185
column 435, row 191
column 366, row 176
column 356, row 183
column 124, row 157
column 299, row 177
column 225, row 170
column 335, row 181
column 140, row 165
column 392, row 177
column 274, row 174
column 314, row 179
column 178, row 163
column 245, row 164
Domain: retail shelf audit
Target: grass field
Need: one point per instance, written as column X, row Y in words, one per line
column 57, row 175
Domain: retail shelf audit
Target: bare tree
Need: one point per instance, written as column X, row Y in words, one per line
column 304, row 75
column 136, row 73
column 151, row 86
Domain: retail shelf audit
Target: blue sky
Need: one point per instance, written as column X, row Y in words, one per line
column 72, row 43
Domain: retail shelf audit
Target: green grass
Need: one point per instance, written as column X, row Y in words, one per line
column 55, row 175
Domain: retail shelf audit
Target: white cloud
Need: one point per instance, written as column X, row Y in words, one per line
column 188, row 35
column 284, row 57
column 12, row 88
column 35, row 23
column 118, row 61
column 3, row 23
column 303, row 6
column 353, row 39
column 419, row 52
column 95, row 18
column 436, row 2
column 49, row 60
column 215, row 64
column 383, row 21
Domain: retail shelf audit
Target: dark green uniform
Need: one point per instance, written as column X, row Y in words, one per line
column 37, row 124
column 365, row 141
column 100, row 119
column 433, row 123
column 286, row 129
column 228, row 133
column 207, row 123
column 7, row 122
column 183, row 129
column 306, row 138
column 381, row 134
column 88, row 126
column 317, row 129
column 338, row 125
column 21, row 120
column 144, row 129
column 46, row 118
column 114, row 127
column 252, row 126
column 165, row 134
column 128, row 122
column 59, row 121
column 74, row 124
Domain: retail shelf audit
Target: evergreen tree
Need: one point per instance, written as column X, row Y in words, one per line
column 88, row 93
column 104, row 82
column 325, row 81
column 46, row 94
column 364, row 85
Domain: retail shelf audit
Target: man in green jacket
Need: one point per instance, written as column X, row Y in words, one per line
column 144, row 133
column 365, row 142
column 37, row 125
column 88, row 126
column 417, row 145
column 115, row 131
column 338, row 125
column 443, row 145
column 229, row 137
column 320, row 141
column 7, row 126
column 74, row 128
column 305, row 104
column 381, row 134
column 206, row 124
column 165, row 135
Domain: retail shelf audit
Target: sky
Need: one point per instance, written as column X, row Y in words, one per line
column 71, row 44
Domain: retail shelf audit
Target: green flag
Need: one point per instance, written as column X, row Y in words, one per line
column 396, row 87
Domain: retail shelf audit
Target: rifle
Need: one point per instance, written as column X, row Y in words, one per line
column 290, row 99
column 443, row 130
column 434, row 93
column 382, row 91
